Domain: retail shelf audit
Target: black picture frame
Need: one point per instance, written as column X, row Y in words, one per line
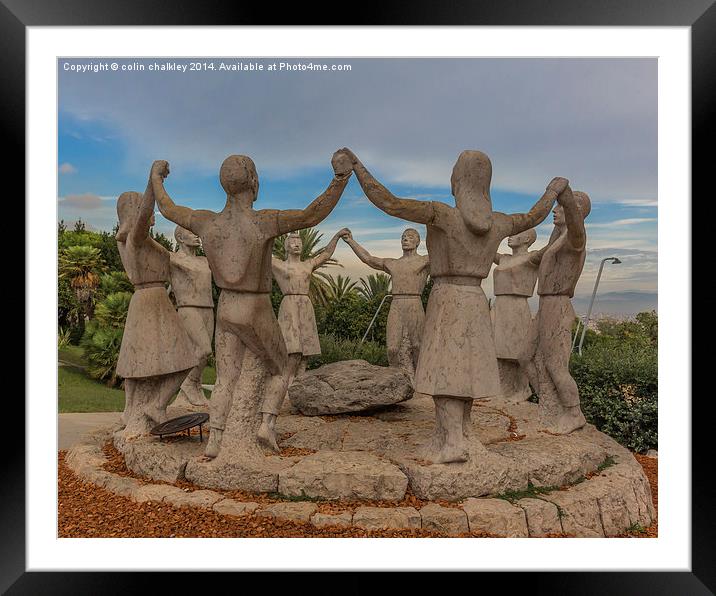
column 699, row 15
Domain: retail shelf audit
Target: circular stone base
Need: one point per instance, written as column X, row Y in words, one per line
column 374, row 457
column 583, row 484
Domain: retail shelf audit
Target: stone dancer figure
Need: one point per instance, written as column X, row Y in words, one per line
column 406, row 315
column 296, row 317
column 560, row 265
column 514, row 282
column 156, row 353
column 457, row 362
column 238, row 243
column 191, row 285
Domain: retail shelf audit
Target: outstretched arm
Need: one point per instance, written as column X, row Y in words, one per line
column 576, row 234
column 291, row 220
column 535, row 256
column 540, row 210
column 176, row 213
column 140, row 229
column 381, row 197
column 497, row 258
column 363, row 254
column 323, row 257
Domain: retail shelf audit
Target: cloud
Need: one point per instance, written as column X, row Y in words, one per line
column 591, row 120
column 85, row 201
column 622, row 222
column 638, row 202
column 67, row 168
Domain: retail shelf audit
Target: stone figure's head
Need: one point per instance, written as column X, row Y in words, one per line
column 410, row 240
column 470, row 180
column 238, row 174
column 186, row 237
column 526, row 238
column 128, row 205
column 583, row 202
column 294, row 244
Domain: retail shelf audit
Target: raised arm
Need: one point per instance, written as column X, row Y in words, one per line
column 291, row 220
column 540, row 210
column 497, row 258
column 381, row 197
column 140, row 229
column 327, row 252
column 576, row 234
column 363, row 254
column 176, row 213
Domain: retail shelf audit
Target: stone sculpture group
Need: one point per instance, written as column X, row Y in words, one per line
column 455, row 351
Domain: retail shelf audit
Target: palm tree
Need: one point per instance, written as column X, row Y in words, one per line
column 310, row 238
column 339, row 287
column 82, row 266
column 376, row 285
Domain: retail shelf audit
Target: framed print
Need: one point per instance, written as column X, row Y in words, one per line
column 389, row 288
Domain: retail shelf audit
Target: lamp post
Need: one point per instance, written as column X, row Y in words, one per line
column 614, row 261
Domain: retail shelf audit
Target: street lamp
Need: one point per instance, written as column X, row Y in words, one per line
column 614, row 261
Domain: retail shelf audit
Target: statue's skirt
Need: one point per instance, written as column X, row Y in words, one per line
column 298, row 325
column 154, row 341
column 457, row 352
column 405, row 320
column 513, row 319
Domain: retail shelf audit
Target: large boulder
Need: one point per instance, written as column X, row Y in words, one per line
column 349, row 386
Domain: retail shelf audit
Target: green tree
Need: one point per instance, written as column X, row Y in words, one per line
column 167, row 243
column 103, row 337
column 617, row 376
column 112, row 311
column 376, row 285
column 70, row 313
column 339, row 287
column 114, row 281
column 426, row 292
column 82, row 265
column 107, row 244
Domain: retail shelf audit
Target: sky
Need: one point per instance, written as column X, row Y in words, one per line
column 593, row 121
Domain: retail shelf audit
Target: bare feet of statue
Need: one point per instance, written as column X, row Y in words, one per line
column 450, row 440
column 571, row 420
column 214, row 442
column 444, row 452
column 267, row 432
column 194, row 395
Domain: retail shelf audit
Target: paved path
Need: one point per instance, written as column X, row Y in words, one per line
column 73, row 426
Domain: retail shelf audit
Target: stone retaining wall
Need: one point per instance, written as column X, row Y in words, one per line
column 606, row 504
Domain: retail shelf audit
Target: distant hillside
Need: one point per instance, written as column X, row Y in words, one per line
column 611, row 303
column 618, row 302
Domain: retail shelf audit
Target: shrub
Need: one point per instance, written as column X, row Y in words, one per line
column 103, row 337
column 70, row 313
column 112, row 311
column 349, row 316
column 334, row 349
column 114, row 281
column 63, row 337
column 618, row 386
column 101, row 351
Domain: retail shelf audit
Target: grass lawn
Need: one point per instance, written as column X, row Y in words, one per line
column 80, row 393
column 72, row 355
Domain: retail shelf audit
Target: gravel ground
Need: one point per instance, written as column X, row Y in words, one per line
column 85, row 510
